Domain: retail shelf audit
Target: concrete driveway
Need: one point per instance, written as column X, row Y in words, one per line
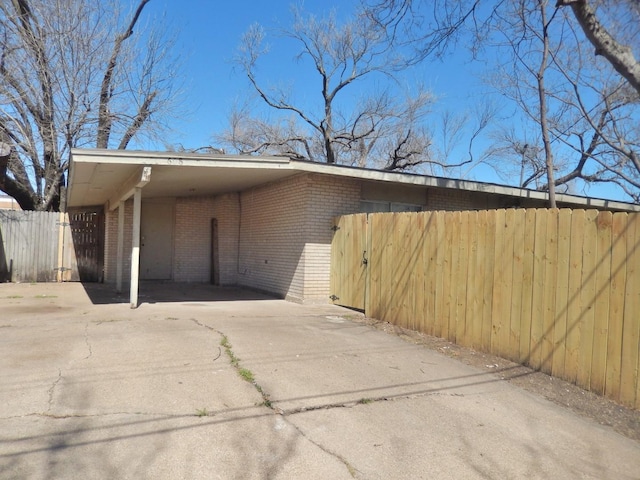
column 94, row 390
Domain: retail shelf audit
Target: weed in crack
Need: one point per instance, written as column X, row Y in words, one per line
column 244, row 373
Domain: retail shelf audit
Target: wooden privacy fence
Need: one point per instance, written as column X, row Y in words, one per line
column 49, row 246
column 557, row 290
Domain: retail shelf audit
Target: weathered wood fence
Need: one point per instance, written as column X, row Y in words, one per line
column 557, row 290
column 49, row 247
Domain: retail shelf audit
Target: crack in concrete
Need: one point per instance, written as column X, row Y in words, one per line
column 200, row 324
column 87, row 342
column 51, row 390
column 350, row 468
column 362, row 401
column 266, row 400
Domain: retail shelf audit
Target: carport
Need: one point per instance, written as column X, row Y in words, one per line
column 109, row 178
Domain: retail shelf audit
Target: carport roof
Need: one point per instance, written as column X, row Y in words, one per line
column 105, row 177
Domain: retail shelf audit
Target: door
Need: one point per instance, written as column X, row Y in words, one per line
column 156, row 239
column 349, row 261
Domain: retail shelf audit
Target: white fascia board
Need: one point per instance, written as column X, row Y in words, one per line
column 454, row 184
column 175, row 158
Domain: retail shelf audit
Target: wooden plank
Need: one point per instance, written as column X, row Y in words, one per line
column 601, row 308
column 375, row 258
column 500, row 301
column 430, row 252
column 538, row 292
column 527, row 285
column 453, row 234
column 474, row 287
column 562, row 275
column 574, row 307
column 70, row 257
column 367, row 279
column 476, row 302
column 394, row 252
column 616, row 305
column 517, row 240
column 404, row 267
column 550, row 287
column 386, row 244
column 418, row 277
column 354, row 275
column 506, row 282
column 489, row 253
column 630, row 364
column 587, row 298
column 438, row 274
column 445, row 312
column 463, row 280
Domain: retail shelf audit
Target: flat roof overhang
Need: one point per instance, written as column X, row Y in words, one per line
column 104, row 177
column 100, row 177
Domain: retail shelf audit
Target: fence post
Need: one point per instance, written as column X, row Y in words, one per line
column 60, row 263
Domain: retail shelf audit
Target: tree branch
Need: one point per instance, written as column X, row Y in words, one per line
column 619, row 56
column 104, row 116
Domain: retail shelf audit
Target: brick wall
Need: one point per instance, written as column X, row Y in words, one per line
column 285, row 234
column 192, row 251
column 111, row 243
column 272, row 238
column 192, row 239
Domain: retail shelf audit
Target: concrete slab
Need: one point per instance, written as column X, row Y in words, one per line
column 92, row 389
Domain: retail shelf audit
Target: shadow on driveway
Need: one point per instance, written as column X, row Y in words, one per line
column 170, row 292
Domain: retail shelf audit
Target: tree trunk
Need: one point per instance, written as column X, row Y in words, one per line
column 542, row 98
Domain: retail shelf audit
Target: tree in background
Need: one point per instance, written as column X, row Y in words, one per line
column 615, row 43
column 73, row 73
column 577, row 118
column 376, row 127
column 582, row 116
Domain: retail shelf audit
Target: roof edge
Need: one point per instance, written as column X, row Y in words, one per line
column 466, row 185
column 144, row 156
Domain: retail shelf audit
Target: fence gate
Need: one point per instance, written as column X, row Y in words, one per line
column 349, row 261
column 87, row 231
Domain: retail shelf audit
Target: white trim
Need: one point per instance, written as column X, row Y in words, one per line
column 135, row 248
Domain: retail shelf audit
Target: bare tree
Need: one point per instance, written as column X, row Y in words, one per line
column 73, row 73
column 586, row 120
column 339, row 128
column 571, row 109
column 618, row 54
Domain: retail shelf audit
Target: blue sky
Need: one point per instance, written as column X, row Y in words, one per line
column 208, row 32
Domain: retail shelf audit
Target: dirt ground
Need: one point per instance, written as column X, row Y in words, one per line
column 623, row 420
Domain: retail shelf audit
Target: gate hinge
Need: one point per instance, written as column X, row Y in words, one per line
column 335, row 228
column 63, row 224
column 334, row 298
column 63, row 269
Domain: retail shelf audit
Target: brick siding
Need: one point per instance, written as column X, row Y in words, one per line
column 285, row 234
